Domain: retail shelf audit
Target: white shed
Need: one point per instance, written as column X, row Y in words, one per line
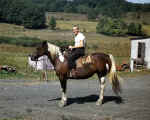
column 140, row 49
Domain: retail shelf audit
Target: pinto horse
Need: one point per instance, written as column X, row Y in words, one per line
column 102, row 64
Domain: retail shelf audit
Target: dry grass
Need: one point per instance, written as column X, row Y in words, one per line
column 66, row 16
column 118, row 46
column 15, row 49
column 85, row 26
column 146, row 29
column 138, row 17
column 46, row 34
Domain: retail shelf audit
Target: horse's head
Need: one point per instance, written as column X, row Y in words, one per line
column 41, row 50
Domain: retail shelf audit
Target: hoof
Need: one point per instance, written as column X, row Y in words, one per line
column 99, row 103
column 62, row 103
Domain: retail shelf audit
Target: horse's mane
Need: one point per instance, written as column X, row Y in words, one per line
column 53, row 49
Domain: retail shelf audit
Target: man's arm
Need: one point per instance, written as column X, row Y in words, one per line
column 79, row 46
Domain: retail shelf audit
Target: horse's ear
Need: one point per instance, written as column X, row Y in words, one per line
column 44, row 43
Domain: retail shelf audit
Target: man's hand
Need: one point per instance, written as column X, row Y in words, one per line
column 70, row 47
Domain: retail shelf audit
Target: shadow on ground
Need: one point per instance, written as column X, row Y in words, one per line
column 92, row 98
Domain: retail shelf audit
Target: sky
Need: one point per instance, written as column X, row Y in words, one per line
column 139, row 1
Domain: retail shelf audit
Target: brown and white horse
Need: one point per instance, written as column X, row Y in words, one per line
column 102, row 64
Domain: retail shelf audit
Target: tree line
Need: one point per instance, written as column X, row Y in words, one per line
column 111, row 8
column 22, row 12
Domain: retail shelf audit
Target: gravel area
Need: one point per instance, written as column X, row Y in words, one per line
column 39, row 100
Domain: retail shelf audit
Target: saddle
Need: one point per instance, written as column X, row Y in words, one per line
column 83, row 61
column 80, row 63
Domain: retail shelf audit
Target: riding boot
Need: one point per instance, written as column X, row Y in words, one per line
column 71, row 64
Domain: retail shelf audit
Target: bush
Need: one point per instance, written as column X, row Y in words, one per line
column 52, row 23
column 110, row 26
column 23, row 41
column 31, row 42
column 135, row 29
column 63, row 43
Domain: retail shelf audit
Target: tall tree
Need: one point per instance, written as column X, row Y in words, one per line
column 34, row 17
column 4, row 9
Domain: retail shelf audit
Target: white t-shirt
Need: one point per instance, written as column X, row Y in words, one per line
column 78, row 38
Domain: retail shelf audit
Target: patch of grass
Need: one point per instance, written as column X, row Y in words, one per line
column 28, row 75
column 17, row 60
column 136, row 73
column 17, row 118
column 7, row 75
column 117, row 46
column 86, row 26
column 66, row 16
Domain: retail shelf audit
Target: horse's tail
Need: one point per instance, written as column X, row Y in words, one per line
column 113, row 77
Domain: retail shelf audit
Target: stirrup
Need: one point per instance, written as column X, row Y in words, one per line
column 69, row 73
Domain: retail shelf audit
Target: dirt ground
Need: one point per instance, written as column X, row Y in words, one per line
column 39, row 100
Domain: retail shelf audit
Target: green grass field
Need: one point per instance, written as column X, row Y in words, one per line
column 16, row 55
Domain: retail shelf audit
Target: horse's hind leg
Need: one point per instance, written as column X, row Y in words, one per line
column 101, row 92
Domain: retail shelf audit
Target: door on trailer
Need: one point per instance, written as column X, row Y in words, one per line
column 141, row 50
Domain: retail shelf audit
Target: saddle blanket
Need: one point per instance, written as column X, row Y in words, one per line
column 86, row 60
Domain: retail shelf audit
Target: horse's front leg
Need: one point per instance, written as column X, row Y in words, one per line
column 101, row 93
column 63, row 101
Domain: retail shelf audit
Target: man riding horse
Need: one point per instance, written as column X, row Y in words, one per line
column 102, row 64
column 78, row 49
